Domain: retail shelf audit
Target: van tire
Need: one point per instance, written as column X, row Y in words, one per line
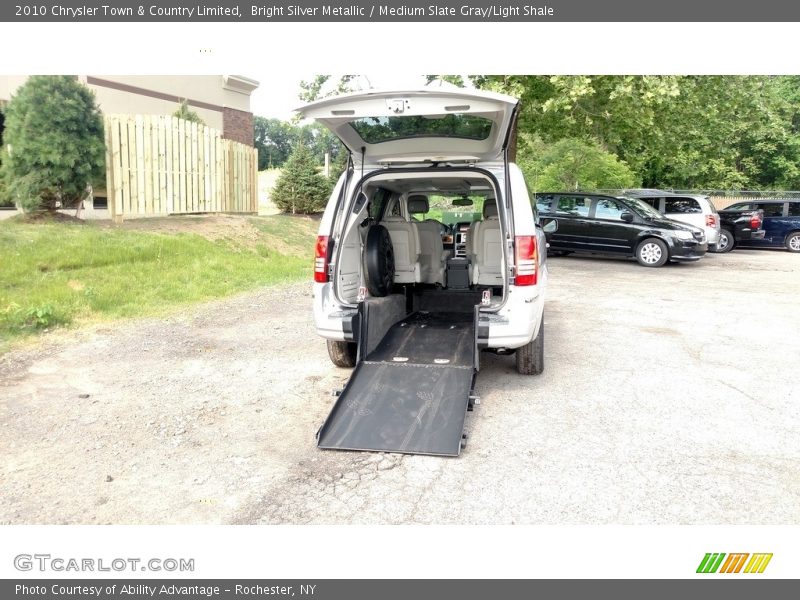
column 652, row 252
column 725, row 243
column 343, row 354
column 378, row 261
column 792, row 242
column 530, row 357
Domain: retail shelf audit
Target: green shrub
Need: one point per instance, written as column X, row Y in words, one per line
column 55, row 133
column 300, row 187
column 572, row 164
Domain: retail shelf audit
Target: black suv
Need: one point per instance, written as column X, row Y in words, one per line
column 576, row 222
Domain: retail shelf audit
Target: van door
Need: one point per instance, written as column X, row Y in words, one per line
column 774, row 224
column 608, row 231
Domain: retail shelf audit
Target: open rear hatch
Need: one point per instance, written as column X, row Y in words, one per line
column 432, row 124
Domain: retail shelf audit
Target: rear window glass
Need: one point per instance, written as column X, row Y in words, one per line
column 739, row 206
column 771, row 209
column 682, row 206
column 794, row 209
column 375, row 130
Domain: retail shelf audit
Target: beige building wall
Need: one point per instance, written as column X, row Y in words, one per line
column 208, row 95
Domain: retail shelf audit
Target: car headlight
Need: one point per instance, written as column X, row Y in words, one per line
column 684, row 235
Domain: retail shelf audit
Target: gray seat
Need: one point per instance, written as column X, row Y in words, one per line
column 431, row 250
column 405, row 242
column 487, row 248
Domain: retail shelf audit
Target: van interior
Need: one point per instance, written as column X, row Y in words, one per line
column 446, row 234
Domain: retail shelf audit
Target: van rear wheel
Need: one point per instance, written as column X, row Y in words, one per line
column 342, row 354
column 793, row 242
column 530, row 357
column 725, row 243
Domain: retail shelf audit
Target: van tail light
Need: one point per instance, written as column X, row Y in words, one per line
column 322, row 256
column 526, row 258
column 711, row 220
column 755, row 221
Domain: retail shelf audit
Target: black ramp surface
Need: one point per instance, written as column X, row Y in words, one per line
column 411, row 394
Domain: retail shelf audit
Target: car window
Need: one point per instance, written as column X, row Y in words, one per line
column 794, row 209
column 577, row 206
column 644, row 209
column 771, row 209
column 739, row 206
column 609, row 209
column 543, row 203
column 377, row 204
column 654, row 202
column 682, row 206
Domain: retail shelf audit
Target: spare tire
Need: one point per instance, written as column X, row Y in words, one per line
column 378, row 261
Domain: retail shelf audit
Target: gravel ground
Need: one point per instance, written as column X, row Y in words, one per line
column 669, row 396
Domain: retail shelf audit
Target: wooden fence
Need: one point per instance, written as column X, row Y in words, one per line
column 162, row 165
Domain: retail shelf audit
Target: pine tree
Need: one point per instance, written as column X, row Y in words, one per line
column 54, row 130
column 300, row 187
column 187, row 114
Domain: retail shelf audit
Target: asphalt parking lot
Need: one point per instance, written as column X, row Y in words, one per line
column 670, row 396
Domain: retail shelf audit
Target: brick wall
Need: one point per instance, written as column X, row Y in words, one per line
column 237, row 125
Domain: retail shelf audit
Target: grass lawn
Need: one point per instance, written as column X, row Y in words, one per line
column 60, row 273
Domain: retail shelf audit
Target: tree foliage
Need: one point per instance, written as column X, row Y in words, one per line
column 275, row 139
column 572, row 164
column 673, row 131
column 187, row 114
column 300, row 187
column 55, row 131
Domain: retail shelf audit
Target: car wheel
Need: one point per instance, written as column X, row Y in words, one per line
column 530, row 357
column 725, row 243
column 792, row 242
column 378, row 261
column 343, row 354
column 652, row 253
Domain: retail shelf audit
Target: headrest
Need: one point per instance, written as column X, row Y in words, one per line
column 489, row 208
column 418, row 204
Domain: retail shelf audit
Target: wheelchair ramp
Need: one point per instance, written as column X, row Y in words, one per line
column 411, row 393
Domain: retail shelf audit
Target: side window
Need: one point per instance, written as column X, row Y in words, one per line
column 771, row 209
column 682, row 206
column 577, row 206
column 740, row 206
column 543, row 203
column 654, row 202
column 609, row 209
column 378, row 203
column 794, row 209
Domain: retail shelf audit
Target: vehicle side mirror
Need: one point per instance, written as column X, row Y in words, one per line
column 551, row 226
column 627, row 217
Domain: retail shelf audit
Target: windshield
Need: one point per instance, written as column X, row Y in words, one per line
column 450, row 210
column 374, row 130
column 643, row 208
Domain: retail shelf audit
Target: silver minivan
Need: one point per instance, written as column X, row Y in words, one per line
column 692, row 209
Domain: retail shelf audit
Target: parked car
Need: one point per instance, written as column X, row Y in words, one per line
column 695, row 210
column 407, row 147
column 738, row 227
column 594, row 223
column 780, row 226
column 407, row 302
